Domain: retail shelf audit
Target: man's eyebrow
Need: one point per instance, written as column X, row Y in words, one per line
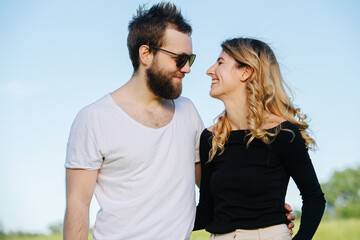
column 220, row 58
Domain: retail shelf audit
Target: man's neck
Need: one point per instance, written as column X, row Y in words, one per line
column 137, row 100
column 137, row 91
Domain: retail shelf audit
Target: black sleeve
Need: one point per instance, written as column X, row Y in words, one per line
column 295, row 157
column 204, row 210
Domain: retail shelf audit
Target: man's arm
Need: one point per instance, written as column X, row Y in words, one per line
column 80, row 185
column 197, row 174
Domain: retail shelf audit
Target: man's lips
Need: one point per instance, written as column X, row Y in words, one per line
column 180, row 77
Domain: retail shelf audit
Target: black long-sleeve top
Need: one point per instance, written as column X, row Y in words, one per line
column 244, row 188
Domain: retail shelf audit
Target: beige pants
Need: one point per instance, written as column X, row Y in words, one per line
column 276, row 232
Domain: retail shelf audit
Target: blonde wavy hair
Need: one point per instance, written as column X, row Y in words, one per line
column 265, row 91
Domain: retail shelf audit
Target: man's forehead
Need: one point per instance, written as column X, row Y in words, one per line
column 177, row 40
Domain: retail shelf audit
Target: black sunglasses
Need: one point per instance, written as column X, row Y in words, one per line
column 181, row 58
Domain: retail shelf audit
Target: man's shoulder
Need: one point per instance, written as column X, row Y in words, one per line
column 98, row 104
column 94, row 108
column 184, row 101
column 185, row 105
column 187, row 109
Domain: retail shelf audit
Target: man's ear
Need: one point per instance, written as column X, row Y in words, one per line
column 246, row 73
column 145, row 56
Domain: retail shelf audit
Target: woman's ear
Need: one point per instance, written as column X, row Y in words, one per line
column 145, row 56
column 246, row 73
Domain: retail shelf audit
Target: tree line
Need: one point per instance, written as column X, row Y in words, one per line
column 342, row 193
column 54, row 228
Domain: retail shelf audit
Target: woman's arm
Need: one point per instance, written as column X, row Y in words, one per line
column 296, row 159
column 204, row 210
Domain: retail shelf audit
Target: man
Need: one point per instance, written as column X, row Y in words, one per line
column 135, row 148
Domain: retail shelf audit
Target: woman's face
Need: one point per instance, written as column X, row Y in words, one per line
column 225, row 77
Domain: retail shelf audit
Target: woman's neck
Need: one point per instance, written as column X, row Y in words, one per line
column 237, row 112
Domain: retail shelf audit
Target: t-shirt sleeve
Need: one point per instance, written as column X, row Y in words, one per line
column 294, row 155
column 199, row 129
column 199, row 125
column 84, row 147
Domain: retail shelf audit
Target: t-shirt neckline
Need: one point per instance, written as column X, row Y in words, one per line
column 138, row 123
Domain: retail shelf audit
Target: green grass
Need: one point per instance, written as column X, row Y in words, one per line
column 329, row 229
column 200, row 235
column 338, row 230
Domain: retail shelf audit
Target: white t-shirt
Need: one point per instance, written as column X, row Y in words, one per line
column 145, row 186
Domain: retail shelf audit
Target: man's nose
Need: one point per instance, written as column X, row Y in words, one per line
column 186, row 68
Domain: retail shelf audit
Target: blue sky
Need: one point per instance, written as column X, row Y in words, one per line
column 58, row 56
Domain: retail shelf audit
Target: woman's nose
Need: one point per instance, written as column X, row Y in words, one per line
column 210, row 72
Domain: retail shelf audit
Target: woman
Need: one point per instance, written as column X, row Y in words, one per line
column 257, row 144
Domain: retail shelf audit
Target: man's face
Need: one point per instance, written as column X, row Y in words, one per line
column 161, row 82
column 164, row 78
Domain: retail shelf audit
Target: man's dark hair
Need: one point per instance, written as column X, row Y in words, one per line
column 148, row 27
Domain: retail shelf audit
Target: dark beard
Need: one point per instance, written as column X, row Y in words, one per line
column 161, row 83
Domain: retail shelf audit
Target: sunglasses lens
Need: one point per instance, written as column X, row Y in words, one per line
column 182, row 59
column 191, row 59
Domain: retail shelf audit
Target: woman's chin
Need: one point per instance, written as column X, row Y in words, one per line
column 213, row 94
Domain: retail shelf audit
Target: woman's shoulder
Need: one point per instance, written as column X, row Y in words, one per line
column 206, row 136
column 289, row 135
column 207, row 132
column 289, row 129
column 210, row 129
column 272, row 121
